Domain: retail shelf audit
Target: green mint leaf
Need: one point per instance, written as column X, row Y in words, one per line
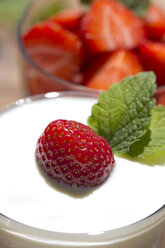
column 122, row 113
column 139, row 7
column 156, row 143
column 137, row 149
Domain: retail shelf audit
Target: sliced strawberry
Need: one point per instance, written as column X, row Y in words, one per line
column 155, row 22
column 160, row 95
column 69, row 19
column 161, row 100
column 54, row 49
column 109, row 26
column 152, row 56
column 118, row 65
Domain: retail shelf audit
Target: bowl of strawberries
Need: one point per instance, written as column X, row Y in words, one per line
column 88, row 45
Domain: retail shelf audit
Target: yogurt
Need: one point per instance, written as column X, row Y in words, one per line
column 133, row 191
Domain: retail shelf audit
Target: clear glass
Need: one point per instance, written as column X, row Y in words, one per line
column 160, row 95
column 147, row 233
column 37, row 80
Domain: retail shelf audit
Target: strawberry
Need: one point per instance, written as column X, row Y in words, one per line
column 152, row 56
column 54, row 49
column 109, row 26
column 161, row 100
column 72, row 153
column 155, row 22
column 69, row 19
column 113, row 69
column 160, row 96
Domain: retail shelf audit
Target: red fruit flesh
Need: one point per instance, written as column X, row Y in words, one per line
column 109, row 26
column 160, row 96
column 152, row 56
column 73, row 153
column 155, row 22
column 114, row 68
column 54, row 49
column 161, row 100
column 69, row 19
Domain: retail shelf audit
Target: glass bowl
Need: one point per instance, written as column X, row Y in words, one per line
column 36, row 79
column 160, row 95
column 148, row 232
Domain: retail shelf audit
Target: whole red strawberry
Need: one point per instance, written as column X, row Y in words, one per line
column 73, row 153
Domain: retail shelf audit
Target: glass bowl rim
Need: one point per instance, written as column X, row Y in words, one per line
column 23, row 230
column 159, row 89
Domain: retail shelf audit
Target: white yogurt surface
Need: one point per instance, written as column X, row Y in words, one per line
column 132, row 192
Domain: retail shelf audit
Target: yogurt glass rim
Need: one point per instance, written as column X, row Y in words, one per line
column 28, row 232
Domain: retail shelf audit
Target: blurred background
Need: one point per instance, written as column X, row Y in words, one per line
column 10, row 78
column 11, row 88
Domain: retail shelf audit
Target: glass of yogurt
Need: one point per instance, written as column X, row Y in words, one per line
column 127, row 211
